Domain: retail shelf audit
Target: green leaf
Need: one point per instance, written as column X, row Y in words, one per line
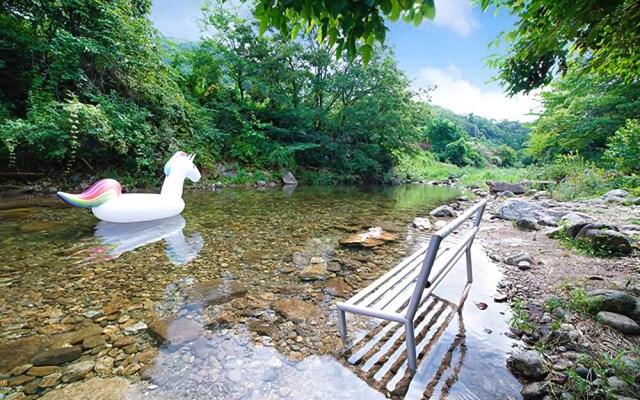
column 366, row 52
column 417, row 19
column 264, row 24
column 429, row 9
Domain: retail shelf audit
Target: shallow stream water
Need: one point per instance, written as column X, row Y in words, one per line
column 65, row 277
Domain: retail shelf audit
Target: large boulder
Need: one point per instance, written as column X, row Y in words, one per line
column 297, row 310
column 443, row 212
column 616, row 193
column 527, row 364
column 620, row 323
column 288, row 178
column 175, row 332
column 515, row 209
column 615, row 301
column 18, row 352
column 609, row 241
column 497, row 187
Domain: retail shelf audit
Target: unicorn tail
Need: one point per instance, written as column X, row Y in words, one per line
column 96, row 195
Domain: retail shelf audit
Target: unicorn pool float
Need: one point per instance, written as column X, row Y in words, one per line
column 107, row 202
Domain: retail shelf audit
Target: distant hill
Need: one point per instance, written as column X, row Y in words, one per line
column 512, row 133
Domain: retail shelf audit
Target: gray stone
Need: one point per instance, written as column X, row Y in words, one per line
column 443, row 212
column 288, row 178
column 506, row 193
column 620, row 387
column 615, row 199
column 573, row 218
column 515, row 209
column 462, row 198
column 527, row 364
column 58, row 356
column 534, row 390
column 566, row 335
column 440, row 224
column 524, row 265
column 615, row 301
column 514, row 188
column 135, row 328
column 75, row 372
column 314, row 272
column 422, row 223
column 616, row 193
column 517, row 259
column 636, row 201
column 541, row 195
column 620, row 323
column 610, row 241
column 527, row 224
column 574, row 229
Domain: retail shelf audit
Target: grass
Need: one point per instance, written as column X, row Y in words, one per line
column 520, row 317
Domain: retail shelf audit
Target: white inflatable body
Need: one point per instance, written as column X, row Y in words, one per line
column 139, row 207
column 107, row 202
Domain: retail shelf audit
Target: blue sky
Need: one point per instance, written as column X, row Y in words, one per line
column 448, row 52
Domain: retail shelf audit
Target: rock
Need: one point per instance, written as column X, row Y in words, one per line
column 586, row 373
column 42, row 371
column 620, row 387
column 566, row 335
column 17, row 352
column 619, row 322
column 104, row 366
column 374, row 237
column 125, row 341
column 336, row 287
column 527, row 224
column 20, row 380
column 443, row 212
column 288, row 178
column 422, row 223
column 53, row 329
column 573, row 218
column 615, row 193
column 574, row 229
column 297, row 310
column 58, row 356
column 440, row 224
column 128, row 370
column 217, row 291
column 147, row 356
column 527, row 364
column 524, row 265
column 136, row 328
column 609, row 241
column 615, row 301
column 175, row 332
column 75, row 372
column 500, row 298
column 94, row 388
column 515, row 209
column 517, row 259
column 263, row 328
column 261, row 184
column 462, row 198
column 496, row 187
column 507, row 193
column 542, row 194
column 50, row 380
column 93, row 341
column 314, row 272
column 301, row 260
column 534, row 390
column 636, row 201
column 75, row 337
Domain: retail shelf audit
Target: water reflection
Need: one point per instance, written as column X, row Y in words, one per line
column 120, row 238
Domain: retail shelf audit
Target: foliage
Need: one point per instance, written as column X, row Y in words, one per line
column 623, row 148
column 549, row 34
column 520, row 317
column 350, row 25
column 581, row 113
column 577, row 178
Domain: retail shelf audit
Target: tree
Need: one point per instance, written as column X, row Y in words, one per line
column 550, row 33
column 350, row 25
column 581, row 113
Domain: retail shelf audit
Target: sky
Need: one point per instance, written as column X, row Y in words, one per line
column 448, row 52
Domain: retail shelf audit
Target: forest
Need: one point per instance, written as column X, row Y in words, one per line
column 89, row 87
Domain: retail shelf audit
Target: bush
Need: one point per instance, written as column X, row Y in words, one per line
column 623, row 148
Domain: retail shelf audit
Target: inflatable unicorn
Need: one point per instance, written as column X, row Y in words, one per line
column 107, row 202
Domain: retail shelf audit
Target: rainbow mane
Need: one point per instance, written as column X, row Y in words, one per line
column 97, row 194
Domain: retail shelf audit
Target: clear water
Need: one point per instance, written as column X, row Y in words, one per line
column 60, row 267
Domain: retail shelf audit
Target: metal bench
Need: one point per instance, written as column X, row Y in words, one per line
column 397, row 295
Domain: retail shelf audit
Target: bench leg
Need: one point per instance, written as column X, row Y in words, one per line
column 411, row 345
column 342, row 321
column 469, row 266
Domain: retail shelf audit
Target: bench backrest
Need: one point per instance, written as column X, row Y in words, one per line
column 449, row 260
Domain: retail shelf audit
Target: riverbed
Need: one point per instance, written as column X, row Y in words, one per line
column 220, row 303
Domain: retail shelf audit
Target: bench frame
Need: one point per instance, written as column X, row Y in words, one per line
column 397, row 295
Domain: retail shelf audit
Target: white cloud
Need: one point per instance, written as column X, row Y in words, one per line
column 462, row 97
column 457, row 15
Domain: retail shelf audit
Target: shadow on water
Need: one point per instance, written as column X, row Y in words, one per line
column 62, row 272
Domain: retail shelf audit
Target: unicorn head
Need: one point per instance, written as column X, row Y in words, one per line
column 181, row 165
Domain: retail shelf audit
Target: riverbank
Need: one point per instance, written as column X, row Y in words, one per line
column 562, row 296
